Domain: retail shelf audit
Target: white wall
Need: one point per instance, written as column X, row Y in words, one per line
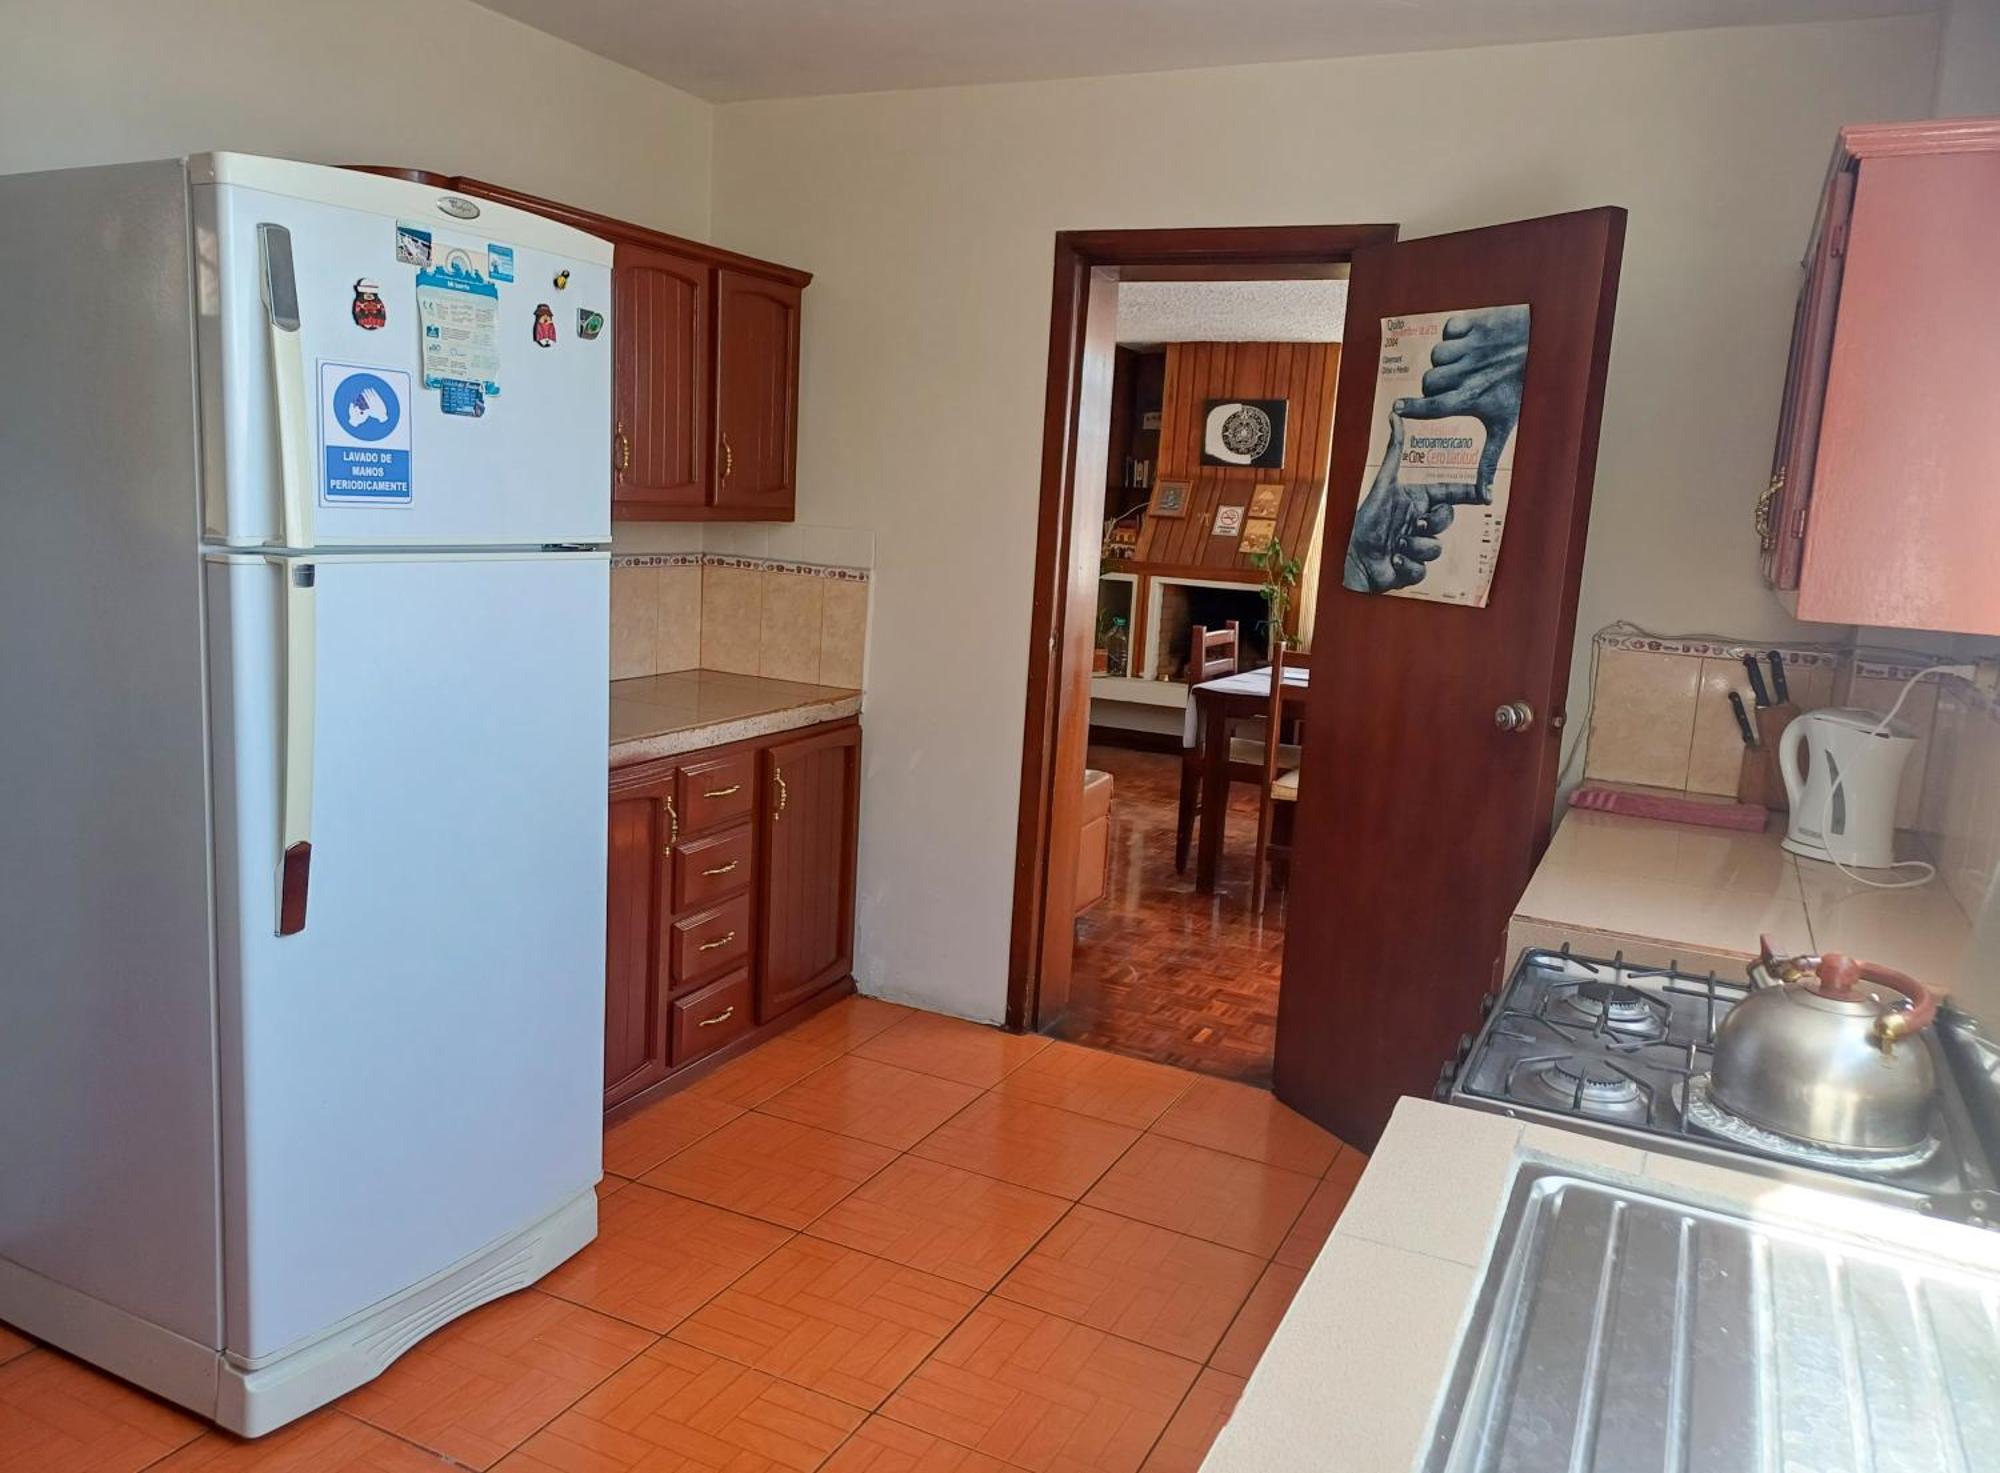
column 442, row 85
column 1968, row 82
column 928, row 217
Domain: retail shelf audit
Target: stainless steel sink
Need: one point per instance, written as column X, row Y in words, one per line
column 1617, row 1330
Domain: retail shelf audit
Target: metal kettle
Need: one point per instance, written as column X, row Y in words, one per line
column 1817, row 1054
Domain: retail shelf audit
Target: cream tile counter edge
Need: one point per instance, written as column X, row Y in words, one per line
column 1352, row 1380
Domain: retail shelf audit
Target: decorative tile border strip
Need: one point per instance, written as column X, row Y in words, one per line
column 1802, row 656
column 733, row 560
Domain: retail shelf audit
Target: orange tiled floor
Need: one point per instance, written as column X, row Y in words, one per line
column 887, row 1242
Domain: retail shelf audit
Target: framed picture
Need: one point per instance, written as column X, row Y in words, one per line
column 1265, row 500
column 1228, row 521
column 1170, row 498
column 1244, row 432
column 1258, row 533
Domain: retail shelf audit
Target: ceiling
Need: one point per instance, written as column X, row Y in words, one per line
column 1231, row 311
column 732, row 50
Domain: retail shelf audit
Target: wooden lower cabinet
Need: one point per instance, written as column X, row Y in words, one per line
column 730, row 897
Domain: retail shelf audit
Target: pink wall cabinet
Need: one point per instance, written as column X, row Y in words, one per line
column 1884, row 502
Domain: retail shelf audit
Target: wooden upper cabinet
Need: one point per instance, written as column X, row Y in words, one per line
column 757, row 386
column 806, row 892
column 1877, row 513
column 662, row 365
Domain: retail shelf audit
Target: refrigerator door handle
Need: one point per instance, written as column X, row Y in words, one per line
column 288, row 383
column 295, row 750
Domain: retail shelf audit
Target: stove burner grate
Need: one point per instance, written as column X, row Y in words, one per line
column 1589, row 1086
column 1613, row 1008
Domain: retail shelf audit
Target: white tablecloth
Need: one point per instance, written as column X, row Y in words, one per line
column 1244, row 683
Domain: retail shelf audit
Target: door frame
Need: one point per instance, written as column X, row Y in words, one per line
column 1076, row 421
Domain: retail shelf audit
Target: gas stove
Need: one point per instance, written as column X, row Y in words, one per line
column 1623, row 1051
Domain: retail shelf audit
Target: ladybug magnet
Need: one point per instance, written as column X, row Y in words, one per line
column 589, row 323
column 369, row 310
column 545, row 325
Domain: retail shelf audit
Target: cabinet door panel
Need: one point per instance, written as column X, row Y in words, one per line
column 635, row 1041
column 756, row 400
column 661, row 367
column 806, row 918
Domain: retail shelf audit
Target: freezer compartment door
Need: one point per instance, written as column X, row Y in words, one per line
column 416, row 1072
column 319, row 426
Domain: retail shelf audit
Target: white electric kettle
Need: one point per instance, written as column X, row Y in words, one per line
column 1843, row 795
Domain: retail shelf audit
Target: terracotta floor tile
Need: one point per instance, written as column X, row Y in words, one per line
column 1194, row 1427
column 1090, row 1082
column 831, row 1319
column 1145, row 1283
column 779, row 1170
column 477, row 1388
column 1043, row 1393
column 607, row 1184
column 1322, row 1210
column 324, row 1442
column 754, row 1077
column 849, row 1022
column 638, row 1143
column 1029, row 1144
column 952, row 1048
column 1208, row 1194
column 658, row 1258
column 13, row 1343
column 872, row 1101
column 61, row 1416
column 883, row 1446
column 933, row 1217
column 677, row 1408
column 1258, row 1320
column 1247, row 1121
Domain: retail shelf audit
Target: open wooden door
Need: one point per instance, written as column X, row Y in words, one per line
column 1421, row 815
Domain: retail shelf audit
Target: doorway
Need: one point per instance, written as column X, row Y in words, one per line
column 1386, row 956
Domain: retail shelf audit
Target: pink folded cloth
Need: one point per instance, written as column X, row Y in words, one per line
column 1669, row 809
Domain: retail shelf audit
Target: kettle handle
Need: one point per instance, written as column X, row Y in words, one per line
column 1790, row 768
column 1839, row 976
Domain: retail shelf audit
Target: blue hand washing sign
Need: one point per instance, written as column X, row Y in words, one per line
column 364, row 436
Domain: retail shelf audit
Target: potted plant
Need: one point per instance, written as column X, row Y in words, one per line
column 1281, row 582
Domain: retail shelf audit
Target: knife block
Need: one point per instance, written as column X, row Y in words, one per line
column 1758, row 780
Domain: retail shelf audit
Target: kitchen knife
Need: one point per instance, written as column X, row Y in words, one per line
column 1756, row 674
column 1779, row 689
column 1743, row 720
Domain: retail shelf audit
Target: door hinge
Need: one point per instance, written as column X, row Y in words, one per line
column 1799, row 522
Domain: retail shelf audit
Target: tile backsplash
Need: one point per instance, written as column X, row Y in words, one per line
column 741, row 612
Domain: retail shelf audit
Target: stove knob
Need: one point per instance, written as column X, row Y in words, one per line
column 1464, row 1048
column 1447, row 1076
column 1487, row 1003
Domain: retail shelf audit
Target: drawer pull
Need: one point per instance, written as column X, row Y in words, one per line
column 722, row 1017
column 721, row 869
column 712, row 945
column 729, row 791
column 784, row 793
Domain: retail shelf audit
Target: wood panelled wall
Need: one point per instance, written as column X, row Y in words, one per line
column 1303, row 375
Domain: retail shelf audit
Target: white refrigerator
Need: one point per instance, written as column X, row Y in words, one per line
column 303, row 689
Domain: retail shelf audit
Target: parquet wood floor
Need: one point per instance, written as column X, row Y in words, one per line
column 899, row 1244
column 1159, row 971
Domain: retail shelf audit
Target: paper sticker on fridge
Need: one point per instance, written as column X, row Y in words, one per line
column 459, row 313
column 364, row 436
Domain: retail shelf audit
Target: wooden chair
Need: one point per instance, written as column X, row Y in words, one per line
column 1245, row 756
column 1278, row 783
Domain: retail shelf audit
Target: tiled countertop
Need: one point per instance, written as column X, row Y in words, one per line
column 1351, row 1381
column 1662, row 891
column 663, row 715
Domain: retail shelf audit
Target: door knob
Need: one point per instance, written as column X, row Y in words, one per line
column 1514, row 716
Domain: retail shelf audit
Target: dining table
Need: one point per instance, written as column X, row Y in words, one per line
column 1212, row 706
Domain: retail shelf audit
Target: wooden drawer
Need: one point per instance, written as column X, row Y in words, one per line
column 712, row 794
column 703, row 945
column 704, row 1021
column 705, row 870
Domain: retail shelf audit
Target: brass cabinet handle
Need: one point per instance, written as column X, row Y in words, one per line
column 784, row 793
column 712, row 945
column 622, row 451
column 723, row 792
column 728, row 457
column 673, row 826
column 722, row 1017
column 721, row 869
column 1764, row 518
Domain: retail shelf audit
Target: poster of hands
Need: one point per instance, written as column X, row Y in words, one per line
column 1433, row 498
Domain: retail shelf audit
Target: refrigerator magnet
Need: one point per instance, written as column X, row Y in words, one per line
column 369, row 311
column 589, row 324
column 499, row 262
column 562, row 280
column 545, row 325
column 462, row 396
